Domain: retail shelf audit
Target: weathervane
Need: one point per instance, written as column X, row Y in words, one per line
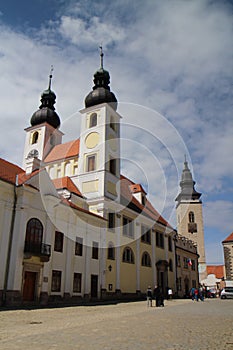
column 101, row 56
column 50, row 76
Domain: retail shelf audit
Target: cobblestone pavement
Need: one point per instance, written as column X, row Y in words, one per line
column 180, row 325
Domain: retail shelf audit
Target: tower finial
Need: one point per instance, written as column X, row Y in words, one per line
column 185, row 160
column 101, row 57
column 50, row 76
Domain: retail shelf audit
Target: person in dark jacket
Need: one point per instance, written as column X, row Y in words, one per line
column 149, row 296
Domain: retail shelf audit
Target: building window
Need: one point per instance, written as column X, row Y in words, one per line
column 58, row 243
column 111, row 252
column 160, row 240
column 191, row 216
column 178, row 260
column 193, row 266
column 170, row 243
column 34, row 235
column 113, row 125
column 77, row 282
column 145, row 235
column 111, row 221
column 93, row 120
column 128, row 256
column 128, row 227
column 91, row 162
column 35, row 137
column 179, row 284
column 112, row 166
column 194, row 284
column 56, row 281
column 95, row 250
column 146, row 260
column 170, row 265
column 185, row 260
column 79, row 246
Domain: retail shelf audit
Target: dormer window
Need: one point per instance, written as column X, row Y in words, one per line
column 93, row 120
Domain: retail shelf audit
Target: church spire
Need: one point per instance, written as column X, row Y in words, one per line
column 46, row 112
column 101, row 90
column 187, row 185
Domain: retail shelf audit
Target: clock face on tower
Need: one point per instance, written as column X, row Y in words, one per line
column 33, row 154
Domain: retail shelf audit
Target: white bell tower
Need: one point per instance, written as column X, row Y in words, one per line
column 99, row 153
column 44, row 133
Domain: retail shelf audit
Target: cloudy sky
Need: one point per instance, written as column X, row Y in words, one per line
column 171, row 69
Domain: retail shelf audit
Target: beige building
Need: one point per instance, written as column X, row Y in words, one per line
column 228, row 256
column 190, row 218
column 186, row 266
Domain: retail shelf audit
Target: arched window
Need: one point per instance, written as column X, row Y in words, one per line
column 146, row 260
column 111, row 251
column 113, row 125
column 191, row 216
column 35, row 137
column 93, row 120
column 128, row 256
column 34, row 235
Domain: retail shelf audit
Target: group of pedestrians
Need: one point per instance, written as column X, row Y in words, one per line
column 156, row 294
column 197, row 293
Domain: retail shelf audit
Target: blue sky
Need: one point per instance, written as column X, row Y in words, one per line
column 171, row 69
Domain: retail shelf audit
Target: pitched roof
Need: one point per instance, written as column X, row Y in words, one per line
column 66, row 182
column 8, row 171
column 129, row 200
column 63, row 151
column 23, row 177
column 217, row 270
column 229, row 238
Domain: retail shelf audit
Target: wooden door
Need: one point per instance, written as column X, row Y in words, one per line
column 94, row 286
column 29, row 287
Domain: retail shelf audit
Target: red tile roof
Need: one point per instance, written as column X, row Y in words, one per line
column 66, row 182
column 217, row 270
column 130, row 200
column 74, row 206
column 8, row 171
column 136, row 188
column 23, row 177
column 63, row 151
column 229, row 238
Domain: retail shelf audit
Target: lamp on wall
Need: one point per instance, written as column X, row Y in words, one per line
column 110, row 268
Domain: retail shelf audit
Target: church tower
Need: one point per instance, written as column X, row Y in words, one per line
column 99, row 152
column 44, row 133
column 190, row 218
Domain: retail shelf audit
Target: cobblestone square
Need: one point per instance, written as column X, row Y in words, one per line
column 180, row 325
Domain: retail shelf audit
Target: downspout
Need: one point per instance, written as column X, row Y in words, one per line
column 10, row 243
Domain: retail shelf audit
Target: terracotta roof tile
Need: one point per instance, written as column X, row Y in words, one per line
column 66, row 182
column 23, row 177
column 217, row 270
column 8, row 171
column 63, row 151
column 147, row 210
column 229, row 238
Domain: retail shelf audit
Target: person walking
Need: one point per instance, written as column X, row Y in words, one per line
column 156, row 296
column 149, row 296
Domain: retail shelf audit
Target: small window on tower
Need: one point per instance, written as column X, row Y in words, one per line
column 191, row 216
column 91, row 163
column 112, row 166
column 93, row 120
column 35, row 137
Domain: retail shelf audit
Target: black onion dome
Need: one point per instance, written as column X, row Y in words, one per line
column 101, row 91
column 46, row 112
column 187, row 185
